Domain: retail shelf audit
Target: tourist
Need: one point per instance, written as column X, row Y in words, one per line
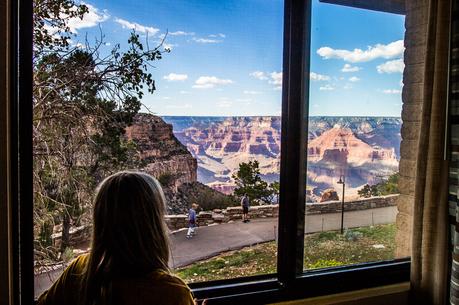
column 192, row 221
column 245, row 208
column 128, row 261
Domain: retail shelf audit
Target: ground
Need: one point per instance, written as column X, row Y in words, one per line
column 322, row 250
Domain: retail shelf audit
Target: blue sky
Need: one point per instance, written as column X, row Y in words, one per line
column 226, row 56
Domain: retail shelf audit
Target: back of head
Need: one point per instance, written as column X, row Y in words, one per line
column 129, row 235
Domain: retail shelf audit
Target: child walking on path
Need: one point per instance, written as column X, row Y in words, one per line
column 192, row 221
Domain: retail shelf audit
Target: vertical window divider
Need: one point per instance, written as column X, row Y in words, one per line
column 21, row 161
column 295, row 100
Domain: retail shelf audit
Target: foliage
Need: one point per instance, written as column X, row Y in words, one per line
column 352, row 235
column 166, row 179
column 386, row 187
column 207, row 198
column 248, row 181
column 275, row 190
column 83, row 101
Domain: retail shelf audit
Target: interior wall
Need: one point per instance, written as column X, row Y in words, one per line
column 413, row 81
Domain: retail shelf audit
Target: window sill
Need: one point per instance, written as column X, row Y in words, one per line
column 267, row 289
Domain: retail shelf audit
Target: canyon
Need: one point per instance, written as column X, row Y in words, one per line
column 166, row 158
column 362, row 149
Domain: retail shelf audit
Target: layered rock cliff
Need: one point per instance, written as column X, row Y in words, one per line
column 162, row 153
column 172, row 164
column 365, row 149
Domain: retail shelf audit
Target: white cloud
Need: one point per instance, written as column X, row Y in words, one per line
column 354, row 79
column 318, row 77
column 206, row 82
column 276, row 78
column 347, row 87
column 392, row 91
column 259, row 75
column 251, row 92
column 184, row 92
column 169, row 46
column 350, row 68
column 244, row 100
column 391, row 50
column 326, row 88
column 92, row 18
column 221, row 35
column 392, row 66
column 181, row 33
column 137, row 27
column 175, row 77
column 206, row 40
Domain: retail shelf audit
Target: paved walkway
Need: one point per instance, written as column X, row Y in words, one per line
column 213, row 240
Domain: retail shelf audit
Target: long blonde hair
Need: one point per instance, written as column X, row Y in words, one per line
column 129, row 234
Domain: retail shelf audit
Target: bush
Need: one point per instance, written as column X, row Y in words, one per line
column 166, row 179
column 207, row 198
column 351, row 235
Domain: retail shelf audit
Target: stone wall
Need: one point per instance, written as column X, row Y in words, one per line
column 412, row 97
column 79, row 235
column 217, row 216
column 362, row 204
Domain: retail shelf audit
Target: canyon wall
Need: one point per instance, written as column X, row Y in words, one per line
column 160, row 150
column 364, row 149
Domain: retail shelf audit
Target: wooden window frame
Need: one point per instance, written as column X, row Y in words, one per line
column 291, row 281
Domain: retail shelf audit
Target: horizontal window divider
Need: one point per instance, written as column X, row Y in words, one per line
column 238, row 280
column 234, row 287
column 307, row 285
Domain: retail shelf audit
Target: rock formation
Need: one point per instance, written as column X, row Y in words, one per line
column 162, row 153
column 329, row 195
column 363, row 148
column 164, row 156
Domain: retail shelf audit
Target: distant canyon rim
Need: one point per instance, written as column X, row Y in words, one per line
column 363, row 149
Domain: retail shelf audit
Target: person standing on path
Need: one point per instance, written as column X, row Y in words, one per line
column 245, row 208
column 192, row 221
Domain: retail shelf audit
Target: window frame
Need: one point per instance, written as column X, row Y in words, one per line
column 290, row 281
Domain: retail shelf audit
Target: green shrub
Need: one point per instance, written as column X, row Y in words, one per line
column 351, row 235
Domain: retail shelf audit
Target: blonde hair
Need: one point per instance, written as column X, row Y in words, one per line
column 195, row 205
column 129, row 234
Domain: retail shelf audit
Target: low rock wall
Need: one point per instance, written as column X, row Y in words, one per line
column 204, row 218
column 362, row 204
column 217, row 216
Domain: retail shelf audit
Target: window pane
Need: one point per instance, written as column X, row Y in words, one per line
column 354, row 136
column 187, row 91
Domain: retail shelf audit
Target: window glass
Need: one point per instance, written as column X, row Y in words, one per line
column 187, row 91
column 353, row 149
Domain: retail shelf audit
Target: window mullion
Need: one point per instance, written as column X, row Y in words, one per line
column 295, row 96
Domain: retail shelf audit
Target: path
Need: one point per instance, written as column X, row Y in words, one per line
column 213, row 240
